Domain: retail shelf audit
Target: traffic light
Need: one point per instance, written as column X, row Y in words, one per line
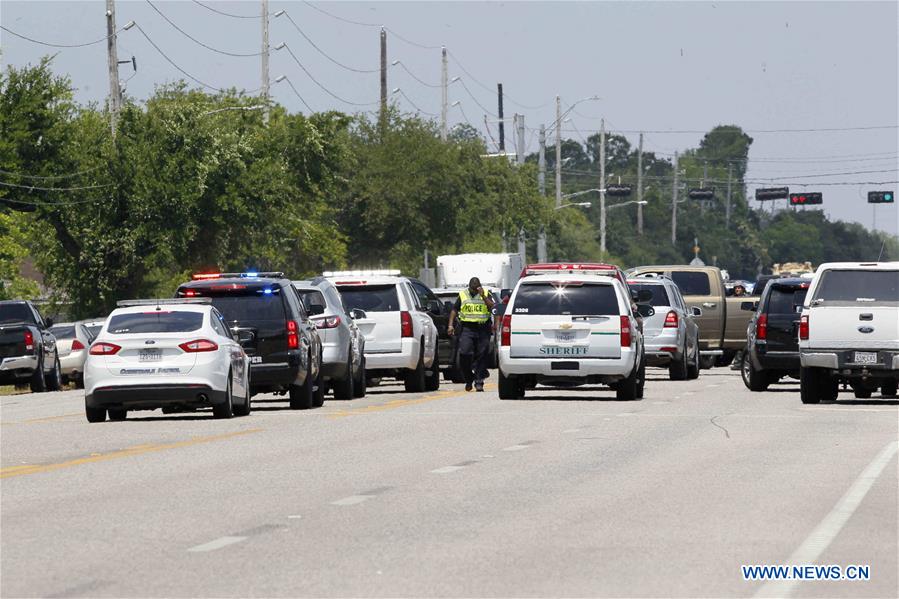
column 881, row 197
column 702, row 194
column 772, row 193
column 618, row 190
column 805, row 199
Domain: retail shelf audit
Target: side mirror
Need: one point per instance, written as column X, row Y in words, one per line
column 316, row 309
column 645, row 310
column 435, row 307
column 643, row 296
column 697, row 311
column 749, row 306
column 358, row 314
column 48, row 322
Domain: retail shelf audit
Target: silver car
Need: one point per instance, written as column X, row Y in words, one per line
column 343, row 344
column 671, row 335
column 72, row 342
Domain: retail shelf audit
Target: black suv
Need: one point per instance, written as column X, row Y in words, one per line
column 274, row 329
column 772, row 337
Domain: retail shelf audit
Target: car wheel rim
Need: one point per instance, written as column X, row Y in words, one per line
column 745, row 367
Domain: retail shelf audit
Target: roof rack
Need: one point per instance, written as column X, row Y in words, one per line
column 163, row 302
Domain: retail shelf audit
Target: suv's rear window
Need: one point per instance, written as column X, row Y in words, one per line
column 10, row 313
column 67, row 332
column 786, row 300
column 566, row 299
column 154, row 322
column 858, row 286
column 692, row 283
column 371, row 298
column 249, row 308
column 659, row 293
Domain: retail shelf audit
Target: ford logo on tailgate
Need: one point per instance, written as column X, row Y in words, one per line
column 865, row 329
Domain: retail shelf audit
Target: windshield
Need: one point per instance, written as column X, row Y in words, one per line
column 372, row 298
column 154, row 322
column 659, row 293
column 566, row 299
column 10, row 313
column 858, row 286
column 63, row 331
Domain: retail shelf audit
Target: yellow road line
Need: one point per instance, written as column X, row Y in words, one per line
column 44, row 419
column 399, row 403
column 114, row 455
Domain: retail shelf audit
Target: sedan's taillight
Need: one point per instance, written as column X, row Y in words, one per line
column 293, row 336
column 198, row 345
column 405, row 324
column 104, row 349
column 625, row 331
column 76, row 345
column 29, row 340
column 803, row 327
column 506, row 331
column 671, row 320
column 328, row 322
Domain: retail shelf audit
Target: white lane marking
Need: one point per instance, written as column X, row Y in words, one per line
column 294, row 517
column 352, row 500
column 686, row 393
column 660, row 403
column 627, row 414
column 573, row 430
column 446, row 469
column 515, row 447
column 828, row 529
column 487, row 455
column 216, row 544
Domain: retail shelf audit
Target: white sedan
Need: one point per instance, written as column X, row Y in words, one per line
column 171, row 354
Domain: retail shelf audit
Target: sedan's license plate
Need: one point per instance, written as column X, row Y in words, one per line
column 150, row 355
column 865, row 357
column 564, row 336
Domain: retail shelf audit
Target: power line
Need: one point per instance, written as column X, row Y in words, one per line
column 468, row 91
column 290, row 83
column 411, row 74
column 34, row 188
column 196, row 41
column 227, row 14
column 506, row 97
column 65, row 203
column 174, row 64
column 322, row 52
column 889, row 170
column 410, row 42
column 333, row 16
column 54, row 45
column 325, row 89
column 402, row 93
column 48, row 177
column 762, row 131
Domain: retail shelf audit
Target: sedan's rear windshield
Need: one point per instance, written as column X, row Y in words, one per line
column 10, row 313
column 692, row 283
column 659, row 293
column 786, row 300
column 566, row 299
column 858, row 286
column 371, row 298
column 63, row 332
column 154, row 322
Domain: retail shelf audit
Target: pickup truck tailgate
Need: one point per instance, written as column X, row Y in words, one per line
column 856, row 327
column 12, row 342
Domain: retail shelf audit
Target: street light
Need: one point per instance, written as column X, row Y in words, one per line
column 584, row 204
column 580, row 193
column 637, row 202
column 557, row 125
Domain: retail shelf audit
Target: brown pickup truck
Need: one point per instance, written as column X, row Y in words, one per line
column 722, row 324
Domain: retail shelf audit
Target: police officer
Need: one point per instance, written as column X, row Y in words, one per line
column 473, row 308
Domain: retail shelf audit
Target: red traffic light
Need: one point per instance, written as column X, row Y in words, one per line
column 804, row 199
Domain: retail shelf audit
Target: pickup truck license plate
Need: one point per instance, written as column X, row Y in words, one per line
column 150, row 355
column 865, row 357
column 564, row 336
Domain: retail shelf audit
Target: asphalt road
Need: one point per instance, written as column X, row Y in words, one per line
column 565, row 493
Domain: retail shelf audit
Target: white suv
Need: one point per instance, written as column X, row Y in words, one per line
column 570, row 329
column 849, row 330
column 400, row 336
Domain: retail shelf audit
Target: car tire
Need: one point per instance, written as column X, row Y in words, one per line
column 302, row 396
column 38, row 382
column 359, row 383
column 678, row 370
column 54, row 379
column 246, row 407
column 815, row 384
column 79, row 381
column 706, row 362
column 754, row 379
column 641, row 382
column 414, row 379
column 225, row 410
column 117, row 414
column 626, row 390
column 95, row 414
column 510, row 388
column 432, row 378
column 318, row 397
column 693, row 369
column 725, row 359
column 343, row 389
column 888, row 389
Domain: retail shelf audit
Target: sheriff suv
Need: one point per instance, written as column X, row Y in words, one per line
column 568, row 329
column 849, row 330
column 266, row 313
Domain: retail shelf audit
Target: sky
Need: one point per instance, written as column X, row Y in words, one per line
column 670, row 69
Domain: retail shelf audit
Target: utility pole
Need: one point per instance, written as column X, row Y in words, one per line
column 522, row 245
column 445, row 94
column 383, row 75
column 266, row 99
column 519, row 146
column 541, row 185
column 602, row 185
column 558, row 152
column 115, row 90
column 502, row 124
column 730, row 172
column 640, row 186
column 674, row 204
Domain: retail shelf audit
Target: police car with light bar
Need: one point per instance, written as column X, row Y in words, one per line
column 171, row 354
column 571, row 328
column 266, row 312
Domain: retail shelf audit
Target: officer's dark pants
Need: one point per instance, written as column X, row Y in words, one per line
column 474, row 348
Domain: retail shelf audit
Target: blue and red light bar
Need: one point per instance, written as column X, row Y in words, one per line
column 236, row 275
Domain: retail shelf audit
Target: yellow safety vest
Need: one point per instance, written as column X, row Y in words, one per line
column 474, row 308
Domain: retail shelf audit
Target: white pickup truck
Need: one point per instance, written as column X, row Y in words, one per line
column 849, row 331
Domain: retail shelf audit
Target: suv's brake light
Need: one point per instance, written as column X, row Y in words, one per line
column 803, row 327
column 671, row 320
column 506, row 331
column 104, row 349
column 293, row 337
column 198, row 345
column 761, row 327
column 625, row 331
column 29, row 340
column 405, row 324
